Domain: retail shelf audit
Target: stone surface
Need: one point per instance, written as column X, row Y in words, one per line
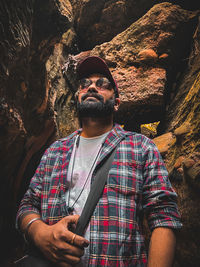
column 193, row 173
column 141, row 83
column 183, row 129
column 147, row 56
column 28, row 32
column 133, row 59
column 179, row 162
column 164, row 142
column 109, row 18
column 184, row 109
column 150, row 129
column 192, row 169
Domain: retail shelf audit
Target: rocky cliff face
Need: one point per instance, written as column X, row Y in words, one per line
column 153, row 53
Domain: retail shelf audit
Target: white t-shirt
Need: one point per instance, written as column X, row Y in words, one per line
column 81, row 166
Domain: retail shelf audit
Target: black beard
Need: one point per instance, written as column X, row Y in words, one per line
column 96, row 109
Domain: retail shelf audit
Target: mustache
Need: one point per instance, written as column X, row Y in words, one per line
column 95, row 95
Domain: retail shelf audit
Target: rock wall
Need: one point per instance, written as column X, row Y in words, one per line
column 153, row 53
column 29, row 30
column 183, row 155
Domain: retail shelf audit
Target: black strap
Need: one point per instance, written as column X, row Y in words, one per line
column 94, row 195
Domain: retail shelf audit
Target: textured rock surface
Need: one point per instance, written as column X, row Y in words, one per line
column 141, row 57
column 164, row 142
column 155, row 61
column 108, row 18
column 183, row 117
column 29, row 29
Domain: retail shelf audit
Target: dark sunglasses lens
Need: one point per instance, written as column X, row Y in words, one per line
column 103, row 83
column 84, row 83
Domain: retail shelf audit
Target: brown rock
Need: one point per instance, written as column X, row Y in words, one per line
column 180, row 170
column 184, row 109
column 183, row 129
column 29, row 30
column 150, row 129
column 107, row 20
column 194, row 172
column 142, row 88
column 179, row 162
column 65, row 9
column 164, row 142
column 32, row 146
column 147, row 56
column 188, row 163
column 163, row 56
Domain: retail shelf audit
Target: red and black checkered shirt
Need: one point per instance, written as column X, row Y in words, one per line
column 137, row 184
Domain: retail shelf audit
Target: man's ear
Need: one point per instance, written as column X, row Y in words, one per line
column 117, row 103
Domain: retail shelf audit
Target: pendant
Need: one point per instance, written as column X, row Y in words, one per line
column 70, row 210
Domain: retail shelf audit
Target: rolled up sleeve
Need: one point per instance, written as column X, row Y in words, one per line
column 159, row 198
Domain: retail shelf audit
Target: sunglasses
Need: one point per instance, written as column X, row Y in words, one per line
column 101, row 83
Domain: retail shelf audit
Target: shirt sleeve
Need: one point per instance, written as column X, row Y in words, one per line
column 159, row 198
column 31, row 202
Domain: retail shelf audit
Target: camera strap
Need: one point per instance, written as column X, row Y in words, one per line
column 95, row 193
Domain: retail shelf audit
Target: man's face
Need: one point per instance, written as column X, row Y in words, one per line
column 96, row 97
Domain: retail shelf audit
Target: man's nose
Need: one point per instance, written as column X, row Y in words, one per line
column 92, row 88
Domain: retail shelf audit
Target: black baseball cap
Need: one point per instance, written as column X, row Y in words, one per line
column 94, row 64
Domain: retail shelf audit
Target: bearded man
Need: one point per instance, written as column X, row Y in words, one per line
column 137, row 184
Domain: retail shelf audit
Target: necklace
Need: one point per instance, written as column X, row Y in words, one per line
column 70, row 209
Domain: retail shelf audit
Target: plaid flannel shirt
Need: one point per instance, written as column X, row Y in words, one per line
column 137, row 183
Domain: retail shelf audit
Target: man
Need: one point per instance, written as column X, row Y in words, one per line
column 137, row 183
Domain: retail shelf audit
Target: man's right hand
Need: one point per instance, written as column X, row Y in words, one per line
column 57, row 242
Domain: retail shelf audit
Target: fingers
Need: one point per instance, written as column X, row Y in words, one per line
column 68, row 249
column 64, row 260
column 66, row 253
column 70, row 222
column 71, row 219
column 75, row 240
column 70, row 237
column 69, row 259
column 62, row 245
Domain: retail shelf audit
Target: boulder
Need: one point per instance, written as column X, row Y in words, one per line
column 164, row 142
column 29, row 30
column 109, row 18
column 133, row 57
column 182, row 118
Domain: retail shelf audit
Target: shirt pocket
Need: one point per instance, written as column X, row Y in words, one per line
column 125, row 179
